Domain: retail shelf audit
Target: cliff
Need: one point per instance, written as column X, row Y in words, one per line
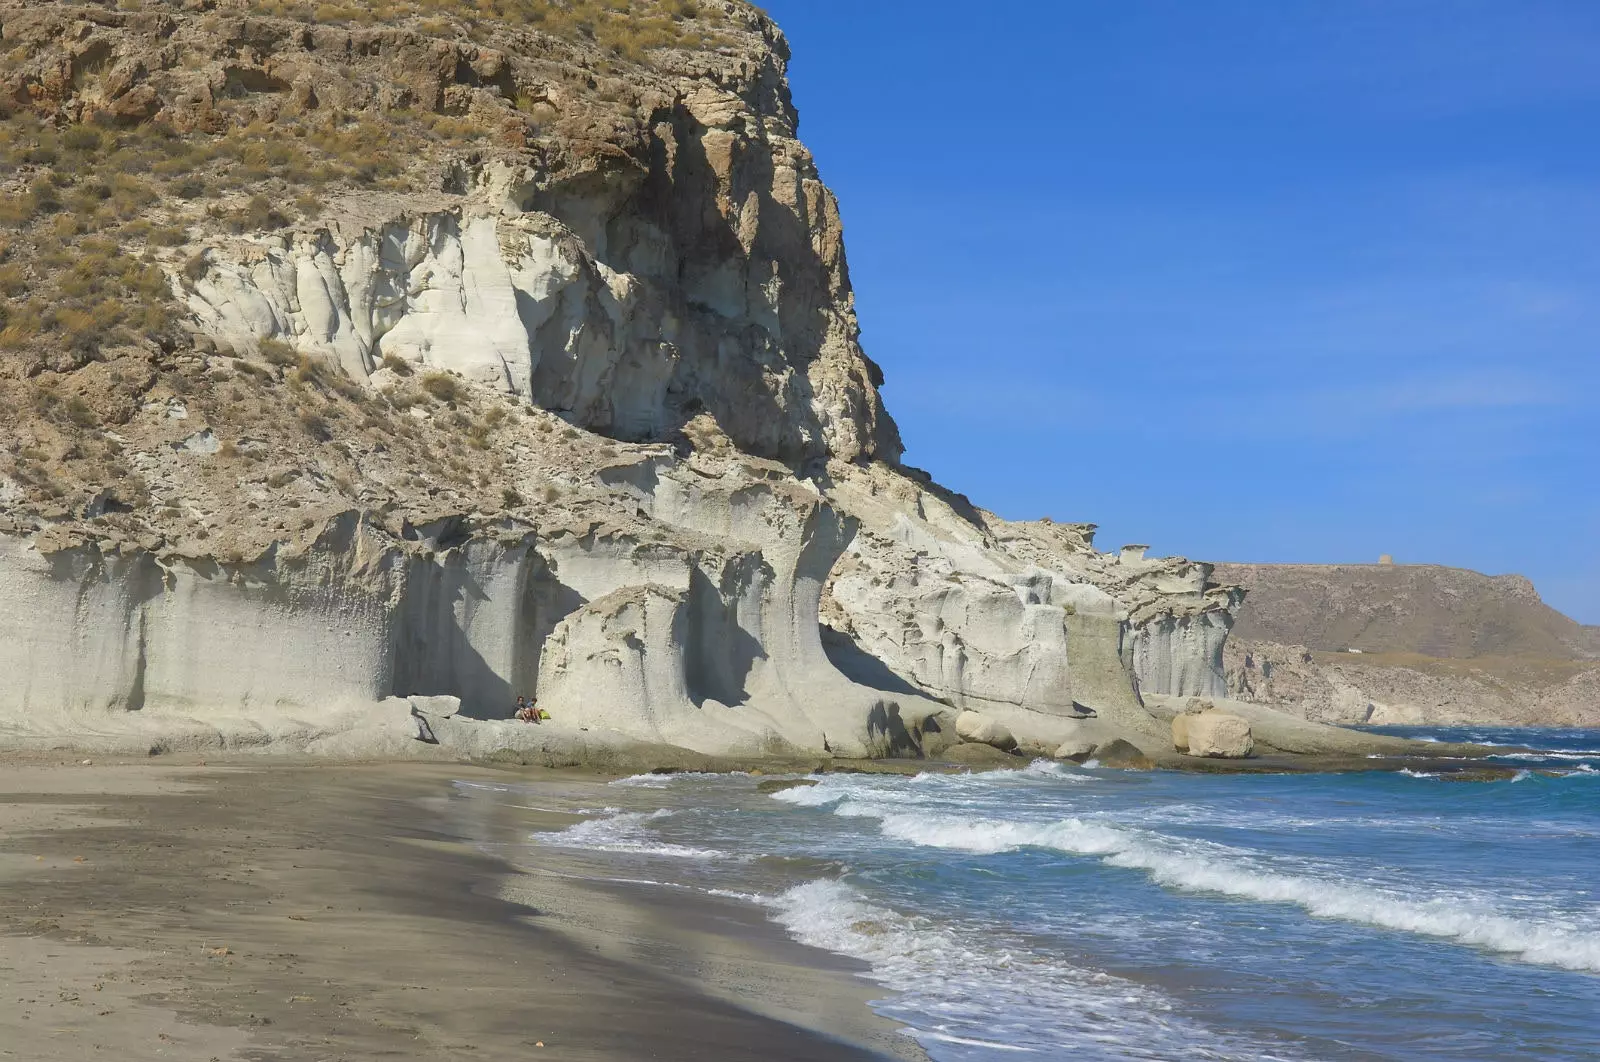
column 1409, row 644
column 364, row 354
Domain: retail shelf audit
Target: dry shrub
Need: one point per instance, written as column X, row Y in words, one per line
column 444, row 387
column 277, row 352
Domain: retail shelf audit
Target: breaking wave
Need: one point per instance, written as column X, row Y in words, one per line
column 992, row 993
column 1203, row 867
column 625, row 831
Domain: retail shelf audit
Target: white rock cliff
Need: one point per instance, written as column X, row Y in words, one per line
column 740, row 566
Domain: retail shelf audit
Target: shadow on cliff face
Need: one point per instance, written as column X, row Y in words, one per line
column 887, row 734
column 434, row 656
column 719, row 654
column 862, row 668
column 758, row 288
column 446, row 607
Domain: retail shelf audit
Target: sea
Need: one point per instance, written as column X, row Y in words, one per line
column 1066, row 912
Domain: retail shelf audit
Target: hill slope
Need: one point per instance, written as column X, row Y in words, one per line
column 1436, row 645
column 1409, row 608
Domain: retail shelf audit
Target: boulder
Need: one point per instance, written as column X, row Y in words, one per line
column 1219, row 735
column 1180, row 722
column 971, row 726
column 1078, row 749
column 1125, row 754
column 436, row 707
column 778, row 785
column 975, row 754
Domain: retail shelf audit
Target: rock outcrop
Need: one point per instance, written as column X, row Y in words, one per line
column 455, row 356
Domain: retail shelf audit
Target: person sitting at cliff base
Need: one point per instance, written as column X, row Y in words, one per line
column 526, row 711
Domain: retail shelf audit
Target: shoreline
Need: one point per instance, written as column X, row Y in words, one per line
column 300, row 909
column 271, row 911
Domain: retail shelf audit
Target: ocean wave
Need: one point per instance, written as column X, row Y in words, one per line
column 1053, row 769
column 646, row 781
column 1199, row 869
column 625, row 831
column 982, row 990
column 1203, row 867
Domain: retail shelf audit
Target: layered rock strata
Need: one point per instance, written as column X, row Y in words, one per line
column 571, row 404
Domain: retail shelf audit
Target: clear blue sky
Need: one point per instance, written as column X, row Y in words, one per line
column 1299, row 280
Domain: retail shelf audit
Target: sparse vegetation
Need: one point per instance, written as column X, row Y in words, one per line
column 276, row 352
column 397, row 365
column 443, row 387
column 628, row 28
column 103, row 210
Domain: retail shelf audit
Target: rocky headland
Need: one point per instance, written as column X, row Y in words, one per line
column 367, row 365
column 1408, row 644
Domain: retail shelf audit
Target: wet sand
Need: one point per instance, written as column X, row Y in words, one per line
column 348, row 912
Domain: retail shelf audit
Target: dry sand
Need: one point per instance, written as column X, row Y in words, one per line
column 333, row 913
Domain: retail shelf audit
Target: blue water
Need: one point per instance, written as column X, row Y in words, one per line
column 1064, row 912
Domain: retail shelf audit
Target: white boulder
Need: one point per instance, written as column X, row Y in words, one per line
column 1216, row 734
column 978, row 728
column 1075, row 749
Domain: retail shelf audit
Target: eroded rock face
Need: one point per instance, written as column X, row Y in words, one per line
column 1025, row 622
column 629, row 250
column 708, row 643
column 346, row 483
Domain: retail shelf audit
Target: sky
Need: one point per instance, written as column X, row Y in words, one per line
column 1294, row 281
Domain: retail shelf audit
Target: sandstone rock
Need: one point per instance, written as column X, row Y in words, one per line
column 1217, row 734
column 976, row 754
column 971, row 726
column 440, row 707
column 1122, row 754
column 1078, row 749
column 988, row 614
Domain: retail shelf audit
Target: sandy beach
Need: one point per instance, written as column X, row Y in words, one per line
column 346, row 912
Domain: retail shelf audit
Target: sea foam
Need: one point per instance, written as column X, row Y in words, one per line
column 625, row 831
column 1202, row 867
column 987, row 993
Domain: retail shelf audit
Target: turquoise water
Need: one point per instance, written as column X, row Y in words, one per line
column 1064, row 912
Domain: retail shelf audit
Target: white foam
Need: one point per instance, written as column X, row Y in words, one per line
column 977, row 988
column 646, row 781
column 625, row 831
column 1052, row 769
column 1195, row 866
column 735, row 894
column 967, row 1041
